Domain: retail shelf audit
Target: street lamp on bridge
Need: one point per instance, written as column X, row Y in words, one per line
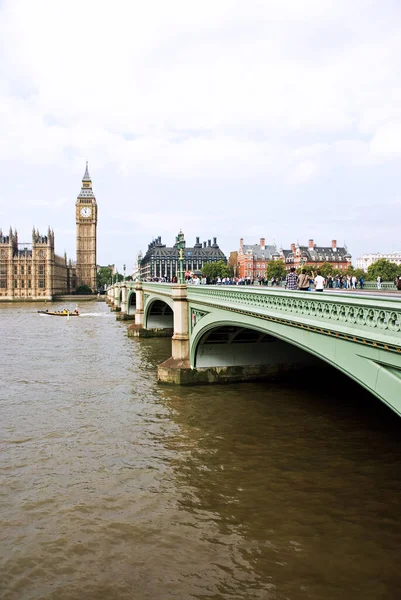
column 180, row 246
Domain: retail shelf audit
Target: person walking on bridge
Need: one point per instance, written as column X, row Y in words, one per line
column 291, row 281
column 303, row 281
column 319, row 282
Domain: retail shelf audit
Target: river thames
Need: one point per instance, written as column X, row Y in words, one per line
column 115, row 487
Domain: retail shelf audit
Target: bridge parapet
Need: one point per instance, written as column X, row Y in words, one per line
column 370, row 319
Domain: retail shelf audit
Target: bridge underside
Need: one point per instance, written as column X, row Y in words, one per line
column 224, row 352
column 231, row 353
column 159, row 316
column 229, row 346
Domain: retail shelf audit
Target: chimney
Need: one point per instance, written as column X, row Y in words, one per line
column 204, row 244
column 241, row 242
column 262, row 243
column 292, row 247
column 334, row 244
column 311, row 244
column 197, row 240
column 209, row 242
column 215, row 241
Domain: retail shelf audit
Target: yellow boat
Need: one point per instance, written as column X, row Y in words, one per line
column 60, row 313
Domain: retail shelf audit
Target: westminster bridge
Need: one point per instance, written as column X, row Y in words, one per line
column 234, row 333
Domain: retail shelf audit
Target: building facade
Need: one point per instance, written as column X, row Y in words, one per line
column 161, row 261
column 33, row 271
column 86, row 224
column 368, row 259
column 252, row 259
column 314, row 256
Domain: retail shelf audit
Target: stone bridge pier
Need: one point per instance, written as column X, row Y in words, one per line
column 172, row 369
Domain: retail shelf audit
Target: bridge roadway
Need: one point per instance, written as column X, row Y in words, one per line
column 237, row 333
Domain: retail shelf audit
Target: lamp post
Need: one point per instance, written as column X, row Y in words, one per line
column 124, row 267
column 180, row 246
column 139, row 266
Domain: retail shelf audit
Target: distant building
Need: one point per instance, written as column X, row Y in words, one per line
column 33, row 271
column 253, row 258
column 313, row 255
column 369, row 259
column 86, row 228
column 162, row 261
column 233, row 262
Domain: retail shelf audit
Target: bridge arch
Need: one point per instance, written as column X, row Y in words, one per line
column 131, row 302
column 159, row 313
column 360, row 363
column 238, row 345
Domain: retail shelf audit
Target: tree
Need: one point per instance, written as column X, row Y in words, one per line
column 386, row 269
column 213, row 270
column 276, row 269
column 84, row 290
column 325, row 269
column 357, row 272
column 103, row 277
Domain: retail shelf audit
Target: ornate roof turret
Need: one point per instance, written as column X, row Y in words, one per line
column 86, row 176
column 86, row 189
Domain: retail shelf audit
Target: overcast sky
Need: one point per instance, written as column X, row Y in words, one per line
column 226, row 118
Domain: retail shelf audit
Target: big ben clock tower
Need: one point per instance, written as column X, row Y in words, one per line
column 86, row 220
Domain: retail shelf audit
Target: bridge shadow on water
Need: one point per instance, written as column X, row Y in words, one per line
column 291, row 489
column 323, row 389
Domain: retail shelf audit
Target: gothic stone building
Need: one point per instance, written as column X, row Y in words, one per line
column 86, row 223
column 161, row 261
column 33, row 271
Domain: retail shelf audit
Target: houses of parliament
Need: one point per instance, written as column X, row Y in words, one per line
column 33, row 271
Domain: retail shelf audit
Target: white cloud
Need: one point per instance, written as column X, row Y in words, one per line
column 305, row 169
column 264, row 93
column 386, row 142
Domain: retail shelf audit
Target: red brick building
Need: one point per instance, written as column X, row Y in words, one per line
column 314, row 256
column 253, row 258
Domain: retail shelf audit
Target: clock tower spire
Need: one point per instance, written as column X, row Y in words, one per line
column 86, row 222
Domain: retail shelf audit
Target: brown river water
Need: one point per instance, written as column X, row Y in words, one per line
column 115, row 487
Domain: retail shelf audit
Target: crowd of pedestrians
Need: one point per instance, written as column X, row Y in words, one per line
column 304, row 281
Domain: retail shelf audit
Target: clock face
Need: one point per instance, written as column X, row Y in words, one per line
column 86, row 211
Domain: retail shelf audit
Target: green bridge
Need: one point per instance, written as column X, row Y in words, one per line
column 235, row 333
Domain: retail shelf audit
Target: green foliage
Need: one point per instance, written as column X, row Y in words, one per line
column 103, row 277
column 276, row 269
column 84, row 290
column 326, row 269
column 384, row 268
column 358, row 273
column 214, row 270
